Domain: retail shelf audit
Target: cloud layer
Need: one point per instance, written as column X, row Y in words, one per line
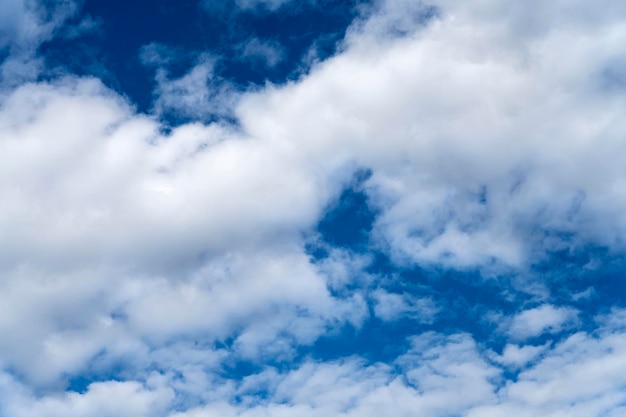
column 156, row 271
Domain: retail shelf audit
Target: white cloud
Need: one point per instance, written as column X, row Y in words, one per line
column 119, row 239
column 439, row 375
column 515, row 357
column 102, row 399
column 85, row 321
column 487, row 187
column 490, row 135
column 465, row 132
column 24, row 26
column 580, row 376
column 392, row 306
column 198, row 94
column 540, row 320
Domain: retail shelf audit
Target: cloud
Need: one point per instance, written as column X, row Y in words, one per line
column 463, row 126
column 86, row 236
column 271, row 5
column 543, row 319
column 113, row 172
column 391, row 306
column 268, row 304
column 198, row 94
column 153, row 260
column 24, row 26
column 581, row 375
column 103, row 398
column 261, row 52
column 515, row 357
column 159, row 55
column 216, row 7
column 484, row 189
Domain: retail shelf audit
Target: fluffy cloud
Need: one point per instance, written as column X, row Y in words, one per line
column 463, row 125
column 104, row 398
column 194, row 192
column 540, row 320
column 515, row 357
column 439, row 375
column 119, row 238
column 494, row 135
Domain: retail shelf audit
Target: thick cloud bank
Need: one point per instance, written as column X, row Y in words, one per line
column 149, row 271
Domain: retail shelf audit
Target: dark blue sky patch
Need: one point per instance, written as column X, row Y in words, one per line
column 464, row 300
column 468, row 301
column 124, row 27
column 376, row 341
column 100, row 368
column 79, row 383
column 349, row 220
column 471, row 303
column 583, row 277
column 474, row 301
column 106, row 40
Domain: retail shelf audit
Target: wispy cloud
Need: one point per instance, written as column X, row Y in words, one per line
column 24, row 26
column 263, row 53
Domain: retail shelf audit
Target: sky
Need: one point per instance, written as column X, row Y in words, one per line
column 312, row 208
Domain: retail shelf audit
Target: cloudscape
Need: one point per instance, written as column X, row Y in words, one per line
column 221, row 208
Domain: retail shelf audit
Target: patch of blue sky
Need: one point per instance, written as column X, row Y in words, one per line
column 348, row 222
column 473, row 301
column 250, row 46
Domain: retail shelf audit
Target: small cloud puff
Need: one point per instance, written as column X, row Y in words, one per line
column 270, row 5
column 392, row 306
column 261, row 52
column 516, row 356
column 541, row 320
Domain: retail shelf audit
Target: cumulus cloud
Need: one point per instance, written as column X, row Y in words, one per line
column 492, row 139
column 582, row 375
column 114, row 230
column 540, row 320
column 515, row 356
column 103, row 398
column 463, row 124
column 267, row 304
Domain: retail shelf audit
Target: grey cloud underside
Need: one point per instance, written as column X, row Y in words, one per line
column 494, row 135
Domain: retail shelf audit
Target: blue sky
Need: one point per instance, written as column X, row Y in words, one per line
column 316, row 208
